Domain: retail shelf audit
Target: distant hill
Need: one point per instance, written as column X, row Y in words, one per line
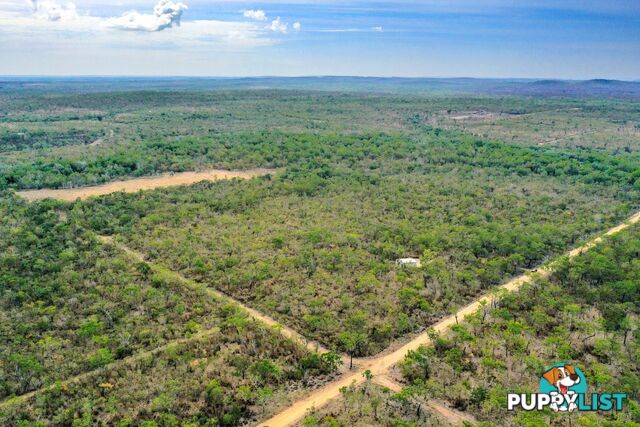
column 585, row 88
column 596, row 88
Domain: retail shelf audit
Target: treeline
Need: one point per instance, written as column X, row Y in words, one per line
column 586, row 315
column 388, row 153
column 36, row 140
column 370, row 404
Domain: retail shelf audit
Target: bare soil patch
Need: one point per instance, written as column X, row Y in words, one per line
column 146, row 183
column 479, row 115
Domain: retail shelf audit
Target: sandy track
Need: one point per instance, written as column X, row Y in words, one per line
column 146, row 183
column 381, row 364
column 451, row 416
column 122, row 362
column 378, row 366
column 191, row 284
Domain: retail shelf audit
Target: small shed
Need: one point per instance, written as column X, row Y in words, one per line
column 409, row 262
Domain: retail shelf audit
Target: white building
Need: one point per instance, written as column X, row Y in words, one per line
column 409, row 262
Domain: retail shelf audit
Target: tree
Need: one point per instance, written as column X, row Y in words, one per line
column 367, row 283
column 90, row 327
column 330, row 362
column 419, row 358
column 216, row 397
column 263, row 395
column 368, row 376
column 266, row 370
column 375, row 400
column 478, row 395
column 100, row 358
column 351, row 343
column 25, row 369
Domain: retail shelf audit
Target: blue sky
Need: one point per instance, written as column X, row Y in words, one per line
column 446, row 38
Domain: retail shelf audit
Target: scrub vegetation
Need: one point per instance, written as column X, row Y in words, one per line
column 586, row 314
column 149, row 349
column 315, row 246
column 54, row 140
column 480, row 187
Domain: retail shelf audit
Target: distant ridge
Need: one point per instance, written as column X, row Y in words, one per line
column 605, row 81
column 594, row 88
column 547, row 82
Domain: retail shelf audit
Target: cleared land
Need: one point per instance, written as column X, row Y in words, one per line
column 588, row 126
column 146, row 183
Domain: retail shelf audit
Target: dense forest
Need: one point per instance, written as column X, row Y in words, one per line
column 364, row 153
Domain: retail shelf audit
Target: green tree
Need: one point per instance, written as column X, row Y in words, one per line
column 351, row 342
column 26, row 368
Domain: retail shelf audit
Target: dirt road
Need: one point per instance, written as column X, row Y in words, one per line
column 109, row 367
column 190, row 284
column 377, row 365
column 381, row 364
column 449, row 415
column 146, row 183
column 254, row 314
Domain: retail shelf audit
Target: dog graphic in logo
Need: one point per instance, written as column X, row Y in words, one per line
column 563, row 388
column 564, row 380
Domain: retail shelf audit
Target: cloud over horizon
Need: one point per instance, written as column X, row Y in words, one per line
column 476, row 38
column 166, row 14
column 51, row 10
column 277, row 25
column 63, row 25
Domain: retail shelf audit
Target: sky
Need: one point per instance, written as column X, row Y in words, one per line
column 572, row 39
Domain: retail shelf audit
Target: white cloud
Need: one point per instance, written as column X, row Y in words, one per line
column 166, row 14
column 56, row 30
column 52, row 11
column 278, row 26
column 258, row 15
column 377, row 29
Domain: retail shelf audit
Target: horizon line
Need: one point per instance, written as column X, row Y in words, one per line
column 316, row 76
